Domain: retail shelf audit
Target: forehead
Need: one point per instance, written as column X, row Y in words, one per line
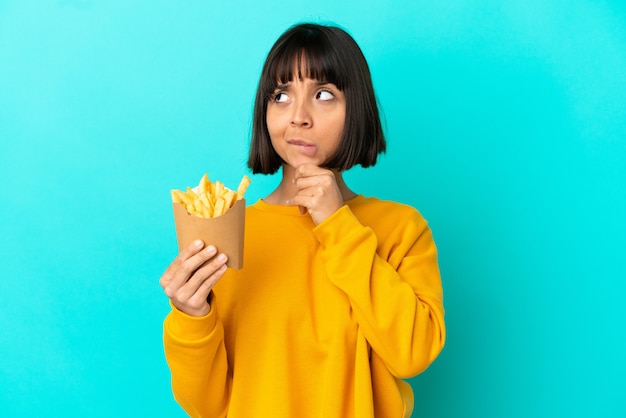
column 304, row 63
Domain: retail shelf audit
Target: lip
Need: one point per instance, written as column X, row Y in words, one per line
column 304, row 147
column 300, row 143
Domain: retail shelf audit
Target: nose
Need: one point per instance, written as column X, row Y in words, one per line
column 301, row 116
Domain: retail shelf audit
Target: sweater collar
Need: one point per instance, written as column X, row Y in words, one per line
column 294, row 211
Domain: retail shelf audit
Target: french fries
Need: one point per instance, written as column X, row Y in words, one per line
column 208, row 199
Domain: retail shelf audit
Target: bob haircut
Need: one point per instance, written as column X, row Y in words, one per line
column 329, row 54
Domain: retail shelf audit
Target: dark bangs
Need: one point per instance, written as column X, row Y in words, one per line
column 311, row 54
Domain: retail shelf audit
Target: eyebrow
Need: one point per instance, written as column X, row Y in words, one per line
column 317, row 83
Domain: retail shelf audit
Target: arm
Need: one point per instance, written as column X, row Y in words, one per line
column 394, row 287
column 193, row 335
column 196, row 356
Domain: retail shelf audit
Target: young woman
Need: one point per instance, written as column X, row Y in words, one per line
column 340, row 297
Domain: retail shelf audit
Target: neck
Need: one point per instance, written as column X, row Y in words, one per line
column 287, row 189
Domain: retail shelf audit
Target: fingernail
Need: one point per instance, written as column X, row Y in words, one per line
column 197, row 243
column 211, row 249
column 221, row 257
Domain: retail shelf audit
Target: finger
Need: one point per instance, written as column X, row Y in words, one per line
column 190, row 251
column 183, row 255
column 310, row 170
column 192, row 297
column 311, row 195
column 204, row 274
column 322, row 181
column 320, row 203
column 201, row 294
column 185, row 266
column 316, row 185
column 301, row 200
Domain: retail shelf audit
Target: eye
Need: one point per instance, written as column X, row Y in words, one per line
column 280, row 97
column 325, row 95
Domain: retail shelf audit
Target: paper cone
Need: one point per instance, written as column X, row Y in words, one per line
column 225, row 232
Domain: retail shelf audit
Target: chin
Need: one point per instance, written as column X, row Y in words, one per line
column 295, row 163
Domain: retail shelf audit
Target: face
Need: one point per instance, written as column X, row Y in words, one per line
column 305, row 120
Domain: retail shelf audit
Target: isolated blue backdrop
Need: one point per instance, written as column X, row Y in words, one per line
column 506, row 129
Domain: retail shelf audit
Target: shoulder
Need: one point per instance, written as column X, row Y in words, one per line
column 386, row 216
column 385, row 209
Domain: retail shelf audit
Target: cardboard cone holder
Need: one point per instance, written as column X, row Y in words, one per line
column 225, row 232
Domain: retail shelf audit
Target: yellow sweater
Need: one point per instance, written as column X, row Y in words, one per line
column 322, row 321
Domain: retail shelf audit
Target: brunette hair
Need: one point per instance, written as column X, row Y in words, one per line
column 330, row 54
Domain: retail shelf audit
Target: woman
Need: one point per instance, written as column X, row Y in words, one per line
column 340, row 297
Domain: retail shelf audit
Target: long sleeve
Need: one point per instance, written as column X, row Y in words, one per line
column 322, row 321
column 391, row 277
column 195, row 353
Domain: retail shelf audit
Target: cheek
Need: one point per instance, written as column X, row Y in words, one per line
column 340, row 118
column 274, row 132
column 339, row 125
column 273, row 124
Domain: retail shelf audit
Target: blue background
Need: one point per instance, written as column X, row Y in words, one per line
column 506, row 127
